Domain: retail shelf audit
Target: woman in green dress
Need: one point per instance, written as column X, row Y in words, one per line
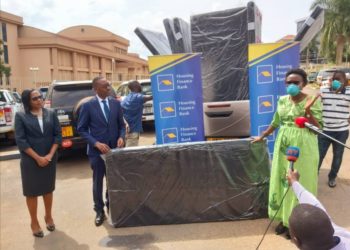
column 289, row 107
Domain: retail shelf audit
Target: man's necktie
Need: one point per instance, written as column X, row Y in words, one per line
column 106, row 109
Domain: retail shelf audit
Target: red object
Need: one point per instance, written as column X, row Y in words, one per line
column 300, row 121
column 67, row 143
column 8, row 114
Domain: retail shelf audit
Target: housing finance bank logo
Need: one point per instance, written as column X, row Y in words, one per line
column 167, row 109
column 165, row 82
column 264, row 74
column 170, row 135
column 265, row 104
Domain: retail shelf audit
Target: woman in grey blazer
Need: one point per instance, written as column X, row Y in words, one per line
column 38, row 135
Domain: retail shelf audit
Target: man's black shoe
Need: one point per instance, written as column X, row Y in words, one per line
column 100, row 217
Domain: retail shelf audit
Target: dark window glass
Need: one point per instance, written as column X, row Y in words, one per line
column 6, row 55
column 4, row 32
column 70, row 95
column 146, row 88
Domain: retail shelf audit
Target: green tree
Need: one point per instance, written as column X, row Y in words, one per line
column 4, row 70
column 336, row 29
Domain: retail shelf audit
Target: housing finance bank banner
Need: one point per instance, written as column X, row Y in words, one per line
column 177, row 98
column 268, row 65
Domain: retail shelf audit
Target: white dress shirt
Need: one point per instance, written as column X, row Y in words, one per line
column 101, row 105
column 306, row 197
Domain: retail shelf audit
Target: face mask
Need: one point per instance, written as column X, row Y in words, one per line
column 293, row 90
column 336, row 84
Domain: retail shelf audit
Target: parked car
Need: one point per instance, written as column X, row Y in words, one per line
column 123, row 91
column 324, row 75
column 66, row 98
column 17, row 96
column 43, row 91
column 8, row 108
column 312, row 77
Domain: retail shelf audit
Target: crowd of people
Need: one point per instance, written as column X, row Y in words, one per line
column 106, row 124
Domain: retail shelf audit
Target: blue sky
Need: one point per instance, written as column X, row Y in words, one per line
column 123, row 16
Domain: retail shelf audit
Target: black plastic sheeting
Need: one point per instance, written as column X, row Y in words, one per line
column 222, row 38
column 186, row 183
column 179, row 35
column 311, row 27
column 156, row 42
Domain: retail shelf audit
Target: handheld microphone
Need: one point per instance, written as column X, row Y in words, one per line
column 292, row 154
column 303, row 122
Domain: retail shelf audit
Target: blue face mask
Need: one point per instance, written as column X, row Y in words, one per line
column 336, row 84
column 293, row 90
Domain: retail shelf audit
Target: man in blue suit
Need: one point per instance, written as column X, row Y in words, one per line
column 101, row 124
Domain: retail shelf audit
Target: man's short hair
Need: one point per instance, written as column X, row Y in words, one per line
column 133, row 84
column 95, row 81
column 311, row 226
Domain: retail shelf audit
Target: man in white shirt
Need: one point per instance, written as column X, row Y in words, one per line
column 336, row 117
column 309, row 224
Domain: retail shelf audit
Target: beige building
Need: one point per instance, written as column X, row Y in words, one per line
column 38, row 57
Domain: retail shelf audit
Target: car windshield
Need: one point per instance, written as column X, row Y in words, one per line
column 2, row 97
column 146, row 88
column 326, row 74
column 69, row 95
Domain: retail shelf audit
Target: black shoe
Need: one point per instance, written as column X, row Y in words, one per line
column 280, row 229
column 39, row 234
column 51, row 228
column 288, row 234
column 100, row 217
column 332, row 183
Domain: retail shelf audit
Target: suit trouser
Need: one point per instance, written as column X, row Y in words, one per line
column 98, row 173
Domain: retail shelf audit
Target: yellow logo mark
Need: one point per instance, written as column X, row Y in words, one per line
column 267, row 104
column 169, row 109
column 167, row 82
column 266, row 73
column 171, row 135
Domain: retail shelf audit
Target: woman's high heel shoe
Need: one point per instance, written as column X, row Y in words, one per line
column 50, row 227
column 39, row 234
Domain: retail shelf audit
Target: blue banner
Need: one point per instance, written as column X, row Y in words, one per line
column 177, row 98
column 268, row 65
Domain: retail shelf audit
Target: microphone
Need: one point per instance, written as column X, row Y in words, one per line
column 292, row 154
column 303, row 122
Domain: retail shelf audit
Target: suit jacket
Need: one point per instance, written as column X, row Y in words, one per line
column 28, row 132
column 92, row 124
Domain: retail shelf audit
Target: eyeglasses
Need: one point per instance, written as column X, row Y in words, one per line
column 35, row 98
column 293, row 82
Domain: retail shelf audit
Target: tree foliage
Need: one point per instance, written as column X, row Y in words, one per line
column 336, row 30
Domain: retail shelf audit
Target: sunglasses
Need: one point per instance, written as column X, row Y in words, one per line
column 293, row 82
column 35, row 98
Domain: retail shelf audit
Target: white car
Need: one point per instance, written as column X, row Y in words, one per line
column 123, row 91
column 8, row 108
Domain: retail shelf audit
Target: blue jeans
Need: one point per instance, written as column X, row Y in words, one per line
column 99, row 172
column 338, row 150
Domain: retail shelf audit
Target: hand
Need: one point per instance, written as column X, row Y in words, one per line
column 42, row 161
column 309, row 103
column 48, row 157
column 292, row 176
column 103, row 148
column 120, row 142
column 257, row 139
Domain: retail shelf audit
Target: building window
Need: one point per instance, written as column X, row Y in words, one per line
column 7, row 80
column 4, row 32
column 120, row 77
column 6, row 55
